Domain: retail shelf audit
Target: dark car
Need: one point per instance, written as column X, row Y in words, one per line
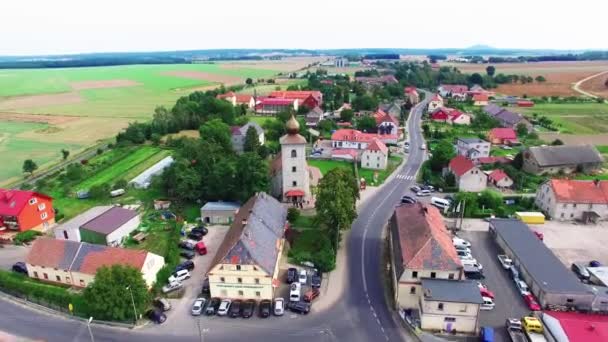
column 428, row 187
column 186, row 265
column 187, row 254
column 206, row 290
column 248, row 308
column 20, row 267
column 302, row 308
column 292, row 275
column 415, row 188
column 195, row 236
column 201, row 230
column 235, row 308
column 156, row 316
column 408, row 200
column 594, row 263
column 186, row 245
column 214, row 303
column 581, row 271
column 317, row 278
column 265, row 307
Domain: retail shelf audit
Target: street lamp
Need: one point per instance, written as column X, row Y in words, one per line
column 89, row 327
column 133, row 302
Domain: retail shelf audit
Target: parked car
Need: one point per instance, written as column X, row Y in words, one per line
column 303, row 277
column 200, row 248
column 415, row 188
column 186, row 265
column 248, row 308
column 265, row 306
column 186, row 254
column 317, row 278
column 486, row 293
column 295, row 290
column 581, row 271
column 213, row 306
column 235, row 308
column 472, row 272
column 200, row 229
column 185, row 244
column 311, row 294
column 472, row 262
column 423, row 147
column 505, row 261
column 292, row 275
column 162, row 304
column 224, row 307
column 198, row 306
column 20, row 267
column 299, row 307
column 156, row 316
column 462, row 248
column 423, row 193
column 522, row 287
column 486, row 334
column 514, row 272
column 206, row 289
column 464, row 255
column 428, row 187
column 531, row 302
column 279, row 306
column 196, row 236
column 408, row 200
column 456, row 241
column 488, row 304
column 179, row 276
column 172, row 287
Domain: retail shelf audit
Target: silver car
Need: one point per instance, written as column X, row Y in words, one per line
column 279, row 306
column 198, row 306
column 224, row 307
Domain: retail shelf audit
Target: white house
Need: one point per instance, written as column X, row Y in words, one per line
column 500, row 179
column 375, row 156
column 435, row 102
column 472, row 148
column 386, row 123
column 468, row 176
column 239, row 134
column 566, row 199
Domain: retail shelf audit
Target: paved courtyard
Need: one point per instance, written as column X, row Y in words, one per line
column 10, row 254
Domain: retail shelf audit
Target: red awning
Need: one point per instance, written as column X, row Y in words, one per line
column 294, row 193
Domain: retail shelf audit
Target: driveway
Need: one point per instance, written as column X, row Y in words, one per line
column 509, row 302
column 10, row 254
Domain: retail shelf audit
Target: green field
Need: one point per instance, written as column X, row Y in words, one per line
column 126, row 168
column 328, row 165
column 574, row 118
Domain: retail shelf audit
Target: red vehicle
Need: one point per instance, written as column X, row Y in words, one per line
column 486, row 293
column 200, row 248
column 531, row 302
column 310, row 295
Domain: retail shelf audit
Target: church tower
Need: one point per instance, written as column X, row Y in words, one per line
column 295, row 175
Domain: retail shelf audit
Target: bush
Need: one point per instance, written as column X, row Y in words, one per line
column 99, row 151
column 293, row 214
column 120, row 184
column 313, row 247
column 26, row 236
column 99, row 191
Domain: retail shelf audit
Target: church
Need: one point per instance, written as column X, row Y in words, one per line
column 290, row 172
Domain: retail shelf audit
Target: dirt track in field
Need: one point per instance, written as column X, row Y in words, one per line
column 103, row 84
column 205, row 76
column 49, row 119
column 596, row 85
column 43, row 100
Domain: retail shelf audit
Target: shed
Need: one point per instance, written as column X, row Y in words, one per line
column 70, row 230
column 530, row 217
column 111, row 227
column 549, row 280
column 142, row 181
column 219, row 212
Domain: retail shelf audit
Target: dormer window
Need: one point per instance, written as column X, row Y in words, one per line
column 33, row 201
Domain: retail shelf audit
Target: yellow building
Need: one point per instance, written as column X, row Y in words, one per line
column 530, row 217
column 246, row 265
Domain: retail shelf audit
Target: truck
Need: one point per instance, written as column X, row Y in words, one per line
column 505, row 261
column 515, row 331
column 533, row 329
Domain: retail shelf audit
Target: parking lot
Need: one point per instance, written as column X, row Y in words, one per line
column 10, row 254
column 509, row 303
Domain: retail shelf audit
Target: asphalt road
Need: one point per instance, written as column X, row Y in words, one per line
column 362, row 315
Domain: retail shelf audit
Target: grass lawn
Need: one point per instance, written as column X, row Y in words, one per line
column 327, row 165
column 304, row 222
column 260, row 119
column 393, row 162
column 499, row 152
column 574, row 118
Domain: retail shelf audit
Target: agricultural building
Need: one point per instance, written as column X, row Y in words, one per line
column 219, row 212
column 111, row 227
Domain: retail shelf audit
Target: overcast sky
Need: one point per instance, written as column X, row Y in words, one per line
column 73, row 26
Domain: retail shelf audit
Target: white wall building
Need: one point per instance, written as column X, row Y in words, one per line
column 565, row 199
column 473, row 148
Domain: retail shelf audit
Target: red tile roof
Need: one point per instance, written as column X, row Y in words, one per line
column 377, row 145
column 436, row 97
column 425, row 242
column 497, row 175
column 460, row 165
column 581, row 327
column 243, row 98
column 381, row 116
column 503, row 133
column 480, row 97
column 455, row 88
column 492, row 160
column 353, row 135
column 345, row 152
column 294, row 193
column 12, row 201
column 235, row 130
column 296, row 94
column 225, row 95
column 580, row 191
column 410, row 90
column 275, row 101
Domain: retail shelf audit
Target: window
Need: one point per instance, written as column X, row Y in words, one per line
column 33, row 201
column 293, row 169
column 254, row 268
column 449, row 319
column 562, row 215
column 590, row 206
column 569, row 300
column 571, row 215
column 41, row 206
column 415, row 274
column 36, row 274
column 433, row 275
column 82, row 283
column 463, row 308
column 238, row 267
column 258, row 293
column 451, row 276
column 46, row 276
column 413, row 290
column 378, row 165
column 440, row 306
column 367, row 156
column 224, row 293
column 257, row 281
column 43, row 215
column 574, row 205
column 65, row 234
column 294, row 154
column 240, row 292
column 294, row 183
column 222, row 279
column 58, row 278
column 239, row 280
column 565, row 205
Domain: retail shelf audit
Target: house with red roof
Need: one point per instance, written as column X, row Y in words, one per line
column 238, row 99
column 307, row 98
column 525, row 103
column 454, row 91
column 576, row 327
column 435, row 102
column 500, row 179
column 352, row 138
column 22, row 210
column 450, row 116
column 420, row 247
column 411, row 94
column 271, row 105
column 568, row 199
column 502, row 136
column 386, row 123
column 468, row 176
column 76, row 263
column 375, row 156
column 480, row 100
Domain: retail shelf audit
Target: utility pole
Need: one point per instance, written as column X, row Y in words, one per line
column 133, row 302
column 89, row 327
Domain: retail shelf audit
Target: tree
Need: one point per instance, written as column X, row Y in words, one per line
column 249, row 81
column 29, row 166
column 217, row 132
column 521, row 129
column 252, row 140
column 365, row 102
column 120, row 184
column 490, row 70
column 540, row 79
column 114, row 293
column 442, row 154
column 366, row 124
column 293, row 214
column 99, row 191
column 426, row 130
column 476, row 78
column 65, row 153
column 181, row 181
column 557, row 142
column 336, row 202
column 252, row 173
column 346, row 115
column 75, row 172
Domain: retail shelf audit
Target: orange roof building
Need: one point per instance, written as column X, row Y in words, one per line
column 567, row 199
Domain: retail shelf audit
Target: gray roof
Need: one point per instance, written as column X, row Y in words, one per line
column 472, row 140
column 221, row 206
column 257, row 127
column 76, row 222
column 508, row 118
column 86, row 249
column 565, row 155
column 110, row 220
column 445, row 290
column 493, row 109
column 534, row 256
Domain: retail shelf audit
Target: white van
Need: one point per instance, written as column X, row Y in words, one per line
column 440, row 202
column 488, row 304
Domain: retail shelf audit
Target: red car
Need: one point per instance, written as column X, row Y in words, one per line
column 531, row 302
column 486, row 293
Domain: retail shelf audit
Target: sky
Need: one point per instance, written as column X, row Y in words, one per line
column 30, row 27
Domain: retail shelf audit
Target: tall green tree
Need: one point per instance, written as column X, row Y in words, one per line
column 109, row 296
column 521, row 129
column 65, row 153
column 476, row 78
column 252, row 173
column 346, row 115
column 252, row 141
column 442, row 154
column 182, row 181
column 490, row 70
column 217, row 132
column 336, row 202
column 29, row 166
column 366, row 124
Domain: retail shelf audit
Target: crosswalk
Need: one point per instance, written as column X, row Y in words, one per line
column 404, row 177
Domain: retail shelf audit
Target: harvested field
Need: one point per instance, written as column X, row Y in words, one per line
column 205, row 76
column 190, row 133
column 36, row 118
column 597, row 85
column 103, row 84
column 576, row 139
column 285, row 64
column 30, row 101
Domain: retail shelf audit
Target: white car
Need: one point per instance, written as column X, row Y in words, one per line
column 472, row 262
column 295, row 291
column 279, row 306
column 522, row 287
column 302, row 277
column 423, row 193
column 462, row 248
column 172, row 286
column 198, row 306
column 224, row 307
column 464, row 255
column 488, row 304
column 179, row 276
column 505, row 261
column 460, row 242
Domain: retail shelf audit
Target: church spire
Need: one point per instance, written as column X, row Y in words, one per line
column 292, row 126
